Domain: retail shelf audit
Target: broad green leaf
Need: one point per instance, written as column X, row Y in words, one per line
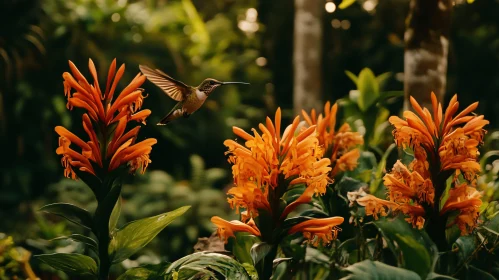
column 250, row 269
column 383, row 96
column 259, row 251
column 476, row 273
column 378, row 176
column 207, row 264
column 413, row 247
column 376, row 270
column 71, row 213
column 146, row 272
column 137, row 273
column 316, row 256
column 381, row 78
column 115, row 215
column 80, row 238
column 135, row 235
column 345, row 4
column 352, row 77
column 435, row 276
column 242, row 246
column 75, row 264
column 369, row 89
column 465, row 246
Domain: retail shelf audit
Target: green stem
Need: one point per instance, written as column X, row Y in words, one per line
column 437, row 223
column 267, row 264
column 105, row 263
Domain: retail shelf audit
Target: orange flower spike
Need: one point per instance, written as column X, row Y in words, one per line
column 63, row 132
column 416, row 215
column 324, row 230
column 349, row 160
column 307, row 118
column 140, row 116
column 277, row 124
column 424, row 116
column 117, row 78
column 110, row 76
column 94, row 142
column 375, row 206
column 226, row 229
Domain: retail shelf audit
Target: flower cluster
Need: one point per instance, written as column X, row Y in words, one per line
column 443, row 144
column 266, row 166
column 339, row 146
column 109, row 145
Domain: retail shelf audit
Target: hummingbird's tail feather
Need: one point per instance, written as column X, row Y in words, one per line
column 174, row 114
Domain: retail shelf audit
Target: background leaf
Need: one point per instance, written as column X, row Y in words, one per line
column 210, row 264
column 115, row 215
column 376, row 270
column 70, row 212
column 368, row 87
column 411, row 245
column 259, row 251
column 135, row 235
column 75, row 264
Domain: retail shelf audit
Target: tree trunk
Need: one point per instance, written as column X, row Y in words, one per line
column 427, row 46
column 307, row 55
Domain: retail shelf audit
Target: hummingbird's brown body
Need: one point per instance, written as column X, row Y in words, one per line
column 189, row 98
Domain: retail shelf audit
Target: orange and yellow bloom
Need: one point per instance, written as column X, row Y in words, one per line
column 268, row 164
column 339, row 146
column 443, row 143
column 105, row 122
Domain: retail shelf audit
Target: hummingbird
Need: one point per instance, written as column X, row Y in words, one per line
column 189, row 98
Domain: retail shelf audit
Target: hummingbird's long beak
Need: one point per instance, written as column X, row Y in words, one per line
column 231, row 83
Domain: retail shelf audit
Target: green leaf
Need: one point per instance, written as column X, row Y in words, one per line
column 115, row 215
column 381, row 78
column 70, row 212
column 369, row 89
column 411, row 245
column 135, row 235
column 242, row 246
column 376, row 270
column 465, row 245
column 345, row 4
column 434, row 276
column 75, row 264
column 146, row 272
column 80, row 238
column 206, row 264
column 352, row 77
column 476, row 273
column 259, row 251
column 378, row 176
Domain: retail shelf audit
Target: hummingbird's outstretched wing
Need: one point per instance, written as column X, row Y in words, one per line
column 175, row 89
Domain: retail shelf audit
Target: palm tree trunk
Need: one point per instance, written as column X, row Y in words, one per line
column 307, row 55
column 427, row 46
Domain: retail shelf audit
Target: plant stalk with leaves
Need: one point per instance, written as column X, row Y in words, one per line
column 273, row 174
column 443, row 145
column 102, row 163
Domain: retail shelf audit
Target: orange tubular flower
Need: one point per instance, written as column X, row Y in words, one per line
column 109, row 146
column 319, row 230
column 226, row 229
column 442, row 143
column 466, row 200
column 268, row 163
column 375, row 206
column 339, row 145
